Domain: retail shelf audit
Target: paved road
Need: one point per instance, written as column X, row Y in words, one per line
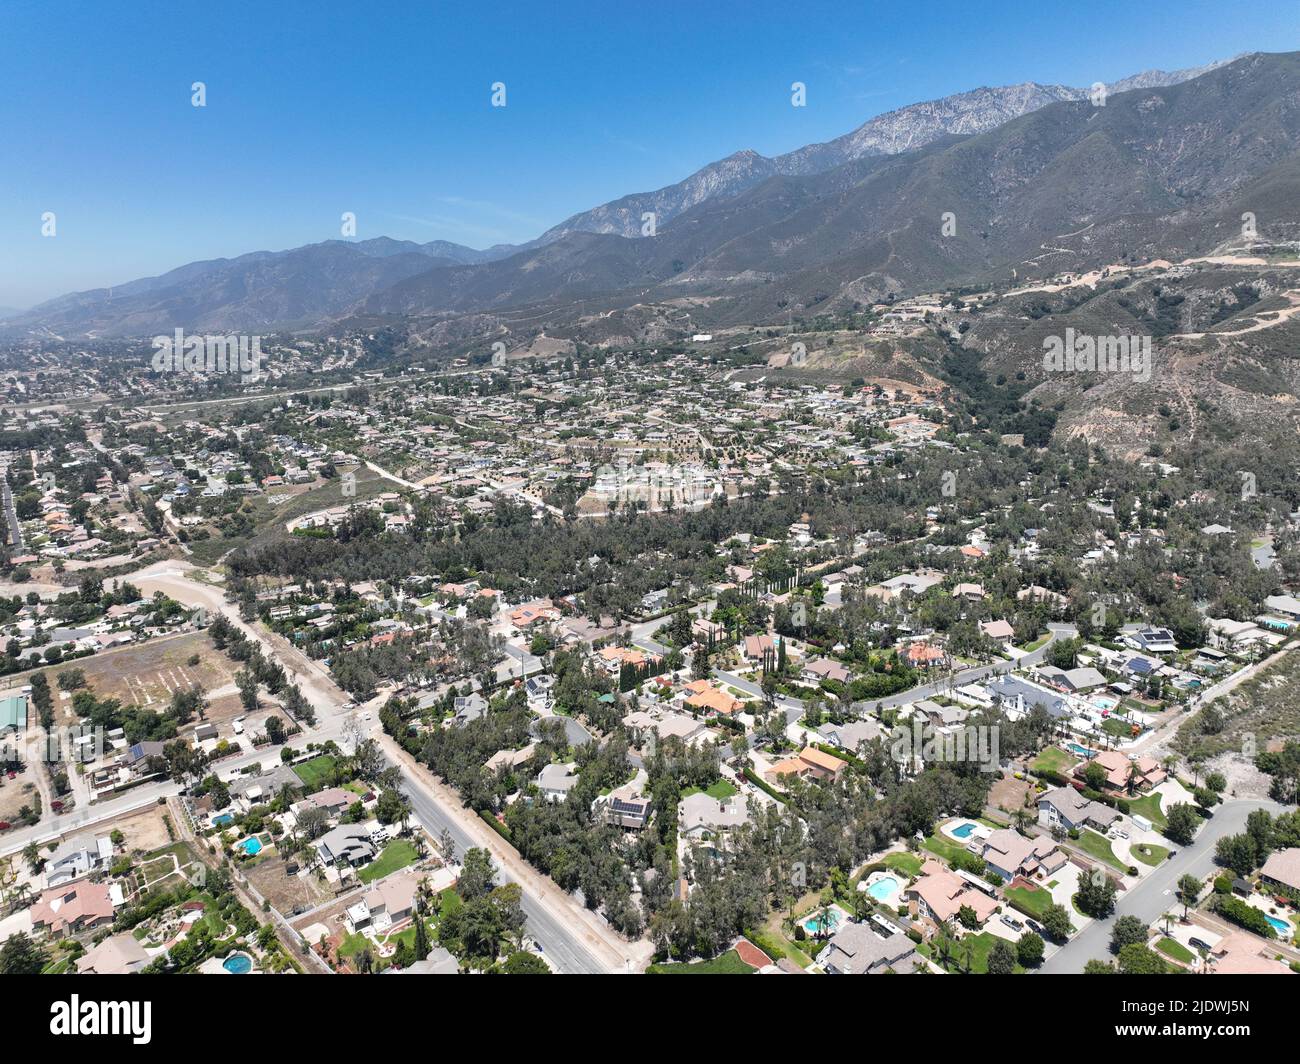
column 794, row 707
column 572, row 938
column 11, row 515
column 1155, row 894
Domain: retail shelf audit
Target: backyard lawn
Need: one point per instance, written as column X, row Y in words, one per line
column 981, row 945
column 728, row 964
column 721, row 790
column 1053, row 759
column 945, row 847
column 906, row 862
column 397, row 854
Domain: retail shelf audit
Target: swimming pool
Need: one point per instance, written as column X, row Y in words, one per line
column 963, row 831
column 1282, row 928
column 883, row 887
column 252, row 845
column 814, row 925
column 222, row 820
column 238, row 964
column 1082, row 751
column 1104, row 703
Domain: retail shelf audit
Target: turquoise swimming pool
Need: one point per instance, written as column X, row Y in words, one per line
column 814, row 925
column 238, row 964
column 1282, row 928
column 964, row 831
column 252, row 845
column 1082, row 751
column 883, row 887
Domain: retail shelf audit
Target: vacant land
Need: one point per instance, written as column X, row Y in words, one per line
column 1265, row 707
column 1008, row 794
column 148, row 674
column 18, row 792
column 143, row 831
column 284, row 891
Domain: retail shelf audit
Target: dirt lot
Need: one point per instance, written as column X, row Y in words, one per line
column 146, row 675
column 1009, row 794
column 283, row 891
column 16, row 793
column 144, row 830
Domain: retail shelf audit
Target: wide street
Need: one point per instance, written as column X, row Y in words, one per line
column 1156, row 893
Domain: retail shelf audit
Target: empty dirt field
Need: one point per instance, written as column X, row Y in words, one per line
column 143, row 831
column 1008, row 794
column 16, row 793
column 286, row 892
column 147, row 675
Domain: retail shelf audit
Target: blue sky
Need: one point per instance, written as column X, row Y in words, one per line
column 383, row 109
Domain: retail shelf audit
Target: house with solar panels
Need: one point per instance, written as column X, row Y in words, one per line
column 625, row 808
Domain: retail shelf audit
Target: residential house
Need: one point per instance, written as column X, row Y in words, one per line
column 939, row 894
column 712, row 699
column 852, row 734
column 706, row 820
column 825, row 669
column 855, row 949
column 810, row 763
column 72, row 907
column 116, row 955
column 387, row 904
column 1282, row 870
column 624, row 807
column 999, row 630
column 1241, row 954
column 1140, row 773
column 348, row 845
column 1151, row 640
column 1010, row 854
column 556, row 781
column 1066, row 808
column 77, row 857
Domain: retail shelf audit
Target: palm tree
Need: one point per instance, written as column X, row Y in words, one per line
column 945, row 942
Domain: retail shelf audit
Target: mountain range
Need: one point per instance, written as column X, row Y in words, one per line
column 1037, row 178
